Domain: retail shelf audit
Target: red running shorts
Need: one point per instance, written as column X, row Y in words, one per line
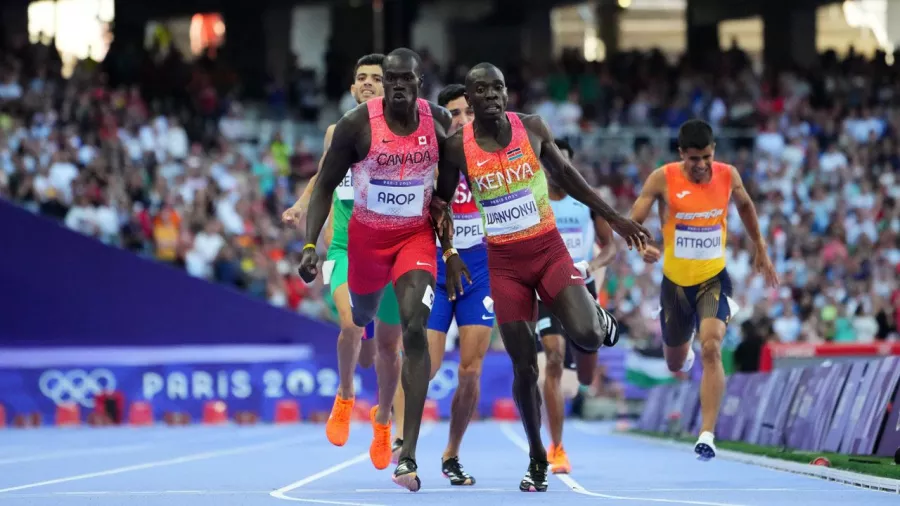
column 377, row 257
column 517, row 270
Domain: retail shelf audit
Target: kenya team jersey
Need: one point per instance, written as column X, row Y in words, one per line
column 393, row 184
column 695, row 228
column 468, row 229
column 509, row 187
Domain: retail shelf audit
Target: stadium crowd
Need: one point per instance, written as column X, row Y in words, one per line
column 187, row 182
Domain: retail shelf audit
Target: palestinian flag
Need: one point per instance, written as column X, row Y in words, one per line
column 646, row 368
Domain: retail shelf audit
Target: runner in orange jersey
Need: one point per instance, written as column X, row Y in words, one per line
column 694, row 197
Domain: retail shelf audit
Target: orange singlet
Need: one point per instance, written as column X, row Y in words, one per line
column 695, row 228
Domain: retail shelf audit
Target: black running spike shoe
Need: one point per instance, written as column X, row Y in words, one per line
column 406, row 475
column 610, row 325
column 395, row 451
column 535, row 479
column 454, row 472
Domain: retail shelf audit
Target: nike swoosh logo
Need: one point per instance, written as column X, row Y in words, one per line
column 386, row 140
column 487, row 317
column 422, row 264
column 683, row 194
column 482, row 163
column 576, row 277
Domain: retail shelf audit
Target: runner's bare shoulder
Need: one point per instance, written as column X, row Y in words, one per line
column 353, row 129
column 442, row 118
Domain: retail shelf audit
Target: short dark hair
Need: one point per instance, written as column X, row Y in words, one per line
column 450, row 93
column 403, row 52
column 564, row 145
column 369, row 59
column 695, row 134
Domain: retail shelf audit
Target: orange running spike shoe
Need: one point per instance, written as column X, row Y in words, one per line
column 380, row 451
column 338, row 426
column 559, row 461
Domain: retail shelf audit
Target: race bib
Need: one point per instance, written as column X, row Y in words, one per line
column 574, row 239
column 467, row 230
column 511, row 213
column 396, row 198
column 345, row 189
column 698, row 243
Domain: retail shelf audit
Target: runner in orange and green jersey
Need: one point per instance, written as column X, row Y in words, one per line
column 509, row 187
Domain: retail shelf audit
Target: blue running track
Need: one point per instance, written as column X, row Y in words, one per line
column 280, row 465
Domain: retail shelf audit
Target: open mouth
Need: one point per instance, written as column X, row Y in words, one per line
column 398, row 96
column 492, row 109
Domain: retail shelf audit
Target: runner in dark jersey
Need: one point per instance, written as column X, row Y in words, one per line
column 501, row 154
column 391, row 145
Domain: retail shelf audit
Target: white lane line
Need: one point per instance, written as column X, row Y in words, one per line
column 167, row 462
column 73, row 453
column 577, row 488
column 281, row 493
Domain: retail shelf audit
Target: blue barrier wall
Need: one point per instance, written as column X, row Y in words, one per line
column 59, row 288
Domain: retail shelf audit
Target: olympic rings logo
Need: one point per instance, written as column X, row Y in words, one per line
column 77, row 385
column 445, row 381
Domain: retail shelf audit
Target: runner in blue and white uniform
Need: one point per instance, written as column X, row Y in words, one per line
column 582, row 231
column 473, row 310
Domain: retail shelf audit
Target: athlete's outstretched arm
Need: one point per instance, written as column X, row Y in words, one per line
column 653, row 190
column 450, row 161
column 570, row 180
column 292, row 215
column 335, row 165
column 747, row 211
column 604, row 239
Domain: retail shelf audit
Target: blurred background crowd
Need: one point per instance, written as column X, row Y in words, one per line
column 178, row 169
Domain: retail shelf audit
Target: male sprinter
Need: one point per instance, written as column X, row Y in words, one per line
column 474, row 309
column 694, row 197
column 367, row 85
column 392, row 146
column 580, row 228
column 501, row 154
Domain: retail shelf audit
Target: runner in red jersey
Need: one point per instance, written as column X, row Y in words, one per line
column 502, row 155
column 391, row 145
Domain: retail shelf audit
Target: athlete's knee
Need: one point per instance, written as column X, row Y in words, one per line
column 525, row 370
column 469, row 370
column 553, row 368
column 351, row 331
column 675, row 356
column 711, row 351
column 415, row 341
column 363, row 315
column 585, row 334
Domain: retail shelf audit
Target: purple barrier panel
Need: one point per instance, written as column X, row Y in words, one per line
column 826, row 405
column 835, row 432
column 875, row 409
column 687, row 398
column 747, row 411
column 691, row 410
column 670, row 397
column 805, row 402
column 890, row 436
column 859, row 403
column 653, row 406
column 731, row 404
column 767, row 405
column 774, row 435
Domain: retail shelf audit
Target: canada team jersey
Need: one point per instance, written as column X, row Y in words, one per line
column 509, row 187
column 392, row 186
column 695, row 227
column 468, row 229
